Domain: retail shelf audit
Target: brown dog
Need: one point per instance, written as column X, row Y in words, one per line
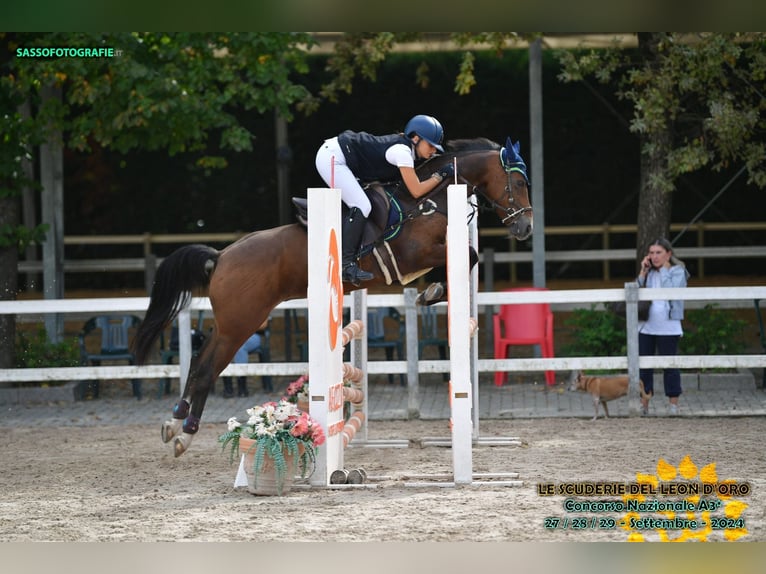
column 602, row 389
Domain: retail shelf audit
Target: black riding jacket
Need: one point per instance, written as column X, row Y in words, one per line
column 366, row 155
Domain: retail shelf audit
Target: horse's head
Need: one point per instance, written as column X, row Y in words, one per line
column 519, row 218
column 499, row 174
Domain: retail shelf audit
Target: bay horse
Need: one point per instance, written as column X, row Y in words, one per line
column 247, row 279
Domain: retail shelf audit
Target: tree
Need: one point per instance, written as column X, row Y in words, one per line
column 152, row 91
column 360, row 53
column 17, row 135
column 698, row 102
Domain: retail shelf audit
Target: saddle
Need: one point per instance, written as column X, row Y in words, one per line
column 384, row 221
column 383, row 225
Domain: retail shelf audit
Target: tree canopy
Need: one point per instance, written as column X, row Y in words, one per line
column 162, row 90
column 173, row 91
column 698, row 101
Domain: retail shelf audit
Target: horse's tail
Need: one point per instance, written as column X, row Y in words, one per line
column 182, row 272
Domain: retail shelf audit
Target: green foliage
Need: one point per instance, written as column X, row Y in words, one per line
column 711, row 331
column 21, row 236
column 597, row 334
column 361, row 53
column 697, row 102
column 707, row 331
column 34, row 350
column 18, row 134
column 705, row 89
column 164, row 90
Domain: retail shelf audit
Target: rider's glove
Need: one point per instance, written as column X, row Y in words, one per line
column 447, row 171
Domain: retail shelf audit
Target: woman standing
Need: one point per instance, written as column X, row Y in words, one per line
column 659, row 334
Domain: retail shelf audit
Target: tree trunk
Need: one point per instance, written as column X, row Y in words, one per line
column 52, row 208
column 654, row 202
column 656, row 195
column 9, row 265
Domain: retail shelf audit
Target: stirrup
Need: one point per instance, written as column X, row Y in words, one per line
column 354, row 275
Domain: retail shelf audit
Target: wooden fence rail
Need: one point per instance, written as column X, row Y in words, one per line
column 489, row 258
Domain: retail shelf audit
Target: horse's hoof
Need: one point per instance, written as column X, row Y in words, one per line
column 170, row 429
column 432, row 294
column 182, row 443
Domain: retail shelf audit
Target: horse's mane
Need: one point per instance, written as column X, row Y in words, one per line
column 474, row 144
column 455, row 147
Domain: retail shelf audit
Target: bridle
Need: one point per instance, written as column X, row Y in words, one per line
column 513, row 211
column 427, row 206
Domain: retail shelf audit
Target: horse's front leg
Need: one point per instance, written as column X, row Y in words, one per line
column 437, row 292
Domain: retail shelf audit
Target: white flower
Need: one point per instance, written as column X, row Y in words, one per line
column 233, row 424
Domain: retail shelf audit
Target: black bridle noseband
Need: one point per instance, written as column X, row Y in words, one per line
column 512, row 213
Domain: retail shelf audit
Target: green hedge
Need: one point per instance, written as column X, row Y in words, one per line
column 707, row 331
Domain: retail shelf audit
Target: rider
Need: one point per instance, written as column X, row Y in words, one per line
column 361, row 158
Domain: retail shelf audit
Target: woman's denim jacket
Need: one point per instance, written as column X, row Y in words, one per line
column 674, row 276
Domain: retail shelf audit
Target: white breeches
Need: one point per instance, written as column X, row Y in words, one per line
column 331, row 165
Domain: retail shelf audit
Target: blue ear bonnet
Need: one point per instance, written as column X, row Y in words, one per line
column 511, row 160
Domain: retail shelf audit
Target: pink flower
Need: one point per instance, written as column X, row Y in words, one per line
column 306, row 428
column 317, row 435
column 301, row 426
column 296, row 386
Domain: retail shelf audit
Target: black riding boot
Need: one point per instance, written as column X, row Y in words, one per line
column 353, row 228
column 228, row 388
column 242, row 387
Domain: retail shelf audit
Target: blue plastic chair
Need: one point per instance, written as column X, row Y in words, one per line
column 260, row 346
column 376, row 335
column 115, row 345
column 429, row 334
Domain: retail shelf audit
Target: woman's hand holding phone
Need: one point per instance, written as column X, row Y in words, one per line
column 646, row 264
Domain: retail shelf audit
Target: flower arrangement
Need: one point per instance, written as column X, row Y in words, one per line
column 297, row 392
column 277, row 429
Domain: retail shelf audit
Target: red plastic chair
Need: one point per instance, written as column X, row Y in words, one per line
column 524, row 324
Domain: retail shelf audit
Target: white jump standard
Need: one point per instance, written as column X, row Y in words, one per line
column 463, row 373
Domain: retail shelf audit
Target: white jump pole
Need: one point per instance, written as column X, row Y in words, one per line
column 359, row 353
column 460, row 333
column 325, row 321
column 473, row 240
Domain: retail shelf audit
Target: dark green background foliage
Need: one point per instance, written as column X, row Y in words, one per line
column 595, row 333
column 712, row 331
column 34, row 350
column 591, row 159
column 707, row 331
column 224, row 178
column 588, row 151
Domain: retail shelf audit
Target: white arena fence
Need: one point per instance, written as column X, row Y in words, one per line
column 725, row 297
